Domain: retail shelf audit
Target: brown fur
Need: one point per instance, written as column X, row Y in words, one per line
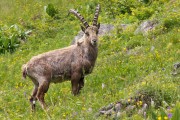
column 70, row 63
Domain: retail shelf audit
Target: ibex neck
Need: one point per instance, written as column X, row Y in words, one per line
column 90, row 53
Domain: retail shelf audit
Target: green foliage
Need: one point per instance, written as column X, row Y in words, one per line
column 50, row 10
column 171, row 22
column 127, row 64
column 176, row 114
column 10, row 38
column 135, row 41
column 142, row 13
column 117, row 7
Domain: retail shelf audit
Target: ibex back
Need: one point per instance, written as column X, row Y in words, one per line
column 70, row 63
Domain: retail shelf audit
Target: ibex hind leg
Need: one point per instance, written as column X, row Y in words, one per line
column 43, row 88
column 33, row 96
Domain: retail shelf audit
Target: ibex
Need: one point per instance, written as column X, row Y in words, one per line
column 69, row 63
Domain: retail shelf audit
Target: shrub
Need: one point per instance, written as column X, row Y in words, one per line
column 50, row 10
column 10, row 38
column 142, row 13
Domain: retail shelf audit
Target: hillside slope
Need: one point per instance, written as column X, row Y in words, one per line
column 130, row 63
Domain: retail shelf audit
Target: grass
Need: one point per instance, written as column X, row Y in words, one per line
column 126, row 63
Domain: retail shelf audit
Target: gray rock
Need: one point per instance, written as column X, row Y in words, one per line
column 104, row 29
column 109, row 112
column 176, row 68
column 135, row 51
column 130, row 108
column 146, row 26
column 143, row 109
column 117, row 107
column 152, row 48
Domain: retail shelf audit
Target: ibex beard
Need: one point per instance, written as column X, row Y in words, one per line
column 70, row 63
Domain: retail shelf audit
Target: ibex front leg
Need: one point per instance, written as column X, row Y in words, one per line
column 81, row 83
column 75, row 78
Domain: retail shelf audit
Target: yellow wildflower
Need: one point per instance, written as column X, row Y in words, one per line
column 159, row 118
column 143, row 83
column 83, row 108
column 165, row 118
column 64, row 114
column 140, row 102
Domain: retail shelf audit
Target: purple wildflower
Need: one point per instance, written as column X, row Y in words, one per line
column 169, row 115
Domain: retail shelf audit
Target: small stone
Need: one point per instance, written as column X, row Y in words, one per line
column 176, row 68
column 110, row 106
column 102, row 109
column 118, row 114
column 130, row 107
column 117, row 107
column 109, row 112
column 103, row 85
column 152, row 48
column 102, row 112
column 143, row 109
column 89, row 109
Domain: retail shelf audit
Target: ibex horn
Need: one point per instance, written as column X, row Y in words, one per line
column 81, row 18
column 96, row 15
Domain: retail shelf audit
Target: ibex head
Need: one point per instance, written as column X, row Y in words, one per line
column 91, row 32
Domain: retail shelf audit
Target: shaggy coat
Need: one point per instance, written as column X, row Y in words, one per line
column 70, row 63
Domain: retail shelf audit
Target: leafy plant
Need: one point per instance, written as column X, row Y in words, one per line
column 142, row 13
column 10, row 38
column 50, row 10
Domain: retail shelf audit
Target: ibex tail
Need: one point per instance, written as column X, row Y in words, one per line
column 24, row 71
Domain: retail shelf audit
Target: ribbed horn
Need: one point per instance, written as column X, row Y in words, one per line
column 96, row 15
column 81, row 18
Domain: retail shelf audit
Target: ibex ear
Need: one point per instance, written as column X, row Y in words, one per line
column 83, row 29
column 98, row 25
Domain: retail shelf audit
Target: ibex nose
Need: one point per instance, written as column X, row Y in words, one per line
column 94, row 40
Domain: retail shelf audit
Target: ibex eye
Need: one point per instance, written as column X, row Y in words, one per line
column 87, row 33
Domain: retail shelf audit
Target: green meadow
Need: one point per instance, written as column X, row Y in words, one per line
column 129, row 64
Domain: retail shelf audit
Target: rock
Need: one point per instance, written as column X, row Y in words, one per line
column 103, row 85
column 152, row 48
column 119, row 115
column 130, row 108
column 110, row 106
column 90, row 110
column 143, row 109
column 176, row 68
column 104, row 29
column 136, row 51
column 146, row 26
column 109, row 112
column 102, row 112
column 117, row 107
